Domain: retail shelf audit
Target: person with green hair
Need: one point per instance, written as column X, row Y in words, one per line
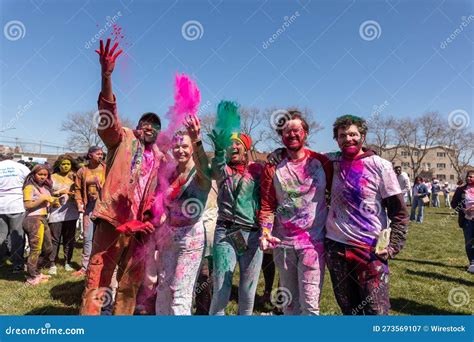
column 367, row 222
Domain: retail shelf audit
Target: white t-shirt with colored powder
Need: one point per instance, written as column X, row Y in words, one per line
column 356, row 215
column 469, row 202
column 12, row 176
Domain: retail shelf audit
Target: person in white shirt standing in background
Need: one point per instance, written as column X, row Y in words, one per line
column 12, row 211
column 404, row 182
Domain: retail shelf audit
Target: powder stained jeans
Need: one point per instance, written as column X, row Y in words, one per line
column 112, row 250
column 301, row 278
column 360, row 279
column 225, row 258
column 88, row 233
column 39, row 238
column 180, row 252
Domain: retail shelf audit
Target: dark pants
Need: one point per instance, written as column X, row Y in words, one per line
column 67, row 231
column 268, row 268
column 468, row 230
column 204, row 287
column 109, row 250
column 39, row 238
column 12, row 237
column 360, row 280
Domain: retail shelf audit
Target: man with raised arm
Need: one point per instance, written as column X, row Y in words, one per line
column 123, row 210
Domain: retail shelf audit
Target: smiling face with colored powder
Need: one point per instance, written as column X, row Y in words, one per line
column 236, row 152
column 350, row 141
column 294, row 135
column 182, row 149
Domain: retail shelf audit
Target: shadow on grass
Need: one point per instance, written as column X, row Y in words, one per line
column 68, row 293
column 439, row 276
column 410, row 307
column 53, row 310
column 427, row 262
column 6, row 273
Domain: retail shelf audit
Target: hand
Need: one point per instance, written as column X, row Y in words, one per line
column 383, row 254
column 135, row 226
column 220, row 140
column 107, row 57
column 80, row 208
column 276, row 156
column 46, row 198
column 193, row 126
column 268, row 241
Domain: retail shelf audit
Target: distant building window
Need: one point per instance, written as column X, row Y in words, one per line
column 441, row 177
column 441, row 154
column 429, row 165
column 406, row 164
column 451, row 177
column 416, row 153
column 441, row 165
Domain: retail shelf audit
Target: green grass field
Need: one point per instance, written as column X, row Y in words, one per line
column 427, row 278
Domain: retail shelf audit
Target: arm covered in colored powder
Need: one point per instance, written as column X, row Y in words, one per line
column 203, row 172
column 109, row 127
column 268, row 201
column 78, row 189
column 398, row 214
column 219, row 163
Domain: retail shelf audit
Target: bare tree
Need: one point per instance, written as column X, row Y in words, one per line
column 382, row 135
column 417, row 135
column 82, row 130
column 458, row 143
column 250, row 123
column 208, row 122
column 274, row 117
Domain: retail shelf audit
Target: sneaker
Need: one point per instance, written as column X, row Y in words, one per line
column 68, row 268
column 53, row 270
column 471, row 269
column 79, row 273
column 35, row 281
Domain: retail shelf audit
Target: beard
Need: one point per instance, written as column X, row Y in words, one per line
column 289, row 144
column 352, row 150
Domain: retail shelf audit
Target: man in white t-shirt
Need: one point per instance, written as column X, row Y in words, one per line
column 365, row 197
column 404, row 182
column 12, row 211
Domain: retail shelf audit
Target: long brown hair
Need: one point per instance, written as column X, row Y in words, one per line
column 30, row 179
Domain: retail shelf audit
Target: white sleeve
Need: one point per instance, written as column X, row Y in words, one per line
column 389, row 185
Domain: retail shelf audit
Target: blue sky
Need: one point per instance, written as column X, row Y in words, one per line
column 320, row 61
